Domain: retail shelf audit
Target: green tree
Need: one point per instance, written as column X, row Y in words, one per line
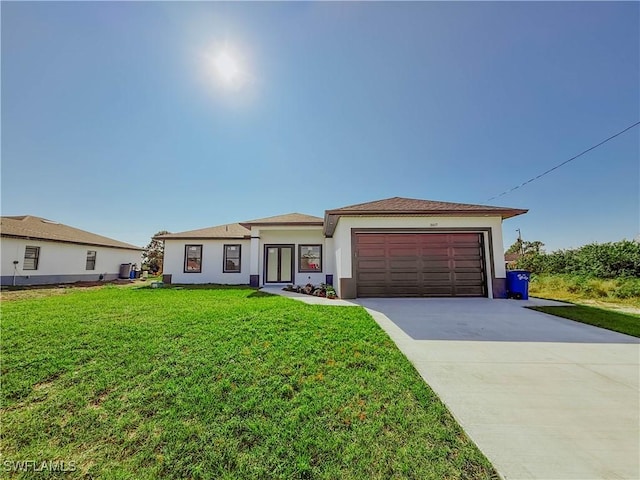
column 534, row 247
column 153, row 254
column 516, row 247
column 524, row 247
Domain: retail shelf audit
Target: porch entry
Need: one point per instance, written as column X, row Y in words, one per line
column 278, row 263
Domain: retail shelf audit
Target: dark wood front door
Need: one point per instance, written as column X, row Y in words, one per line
column 278, row 263
column 420, row 265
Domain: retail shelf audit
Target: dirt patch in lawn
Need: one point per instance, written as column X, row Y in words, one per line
column 39, row 291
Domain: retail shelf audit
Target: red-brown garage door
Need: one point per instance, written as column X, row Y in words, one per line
column 420, row 265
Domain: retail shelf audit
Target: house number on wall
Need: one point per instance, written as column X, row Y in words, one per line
column 433, row 224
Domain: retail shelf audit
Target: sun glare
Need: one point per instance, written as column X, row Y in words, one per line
column 227, row 68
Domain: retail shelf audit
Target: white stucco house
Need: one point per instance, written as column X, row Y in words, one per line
column 391, row 247
column 37, row 251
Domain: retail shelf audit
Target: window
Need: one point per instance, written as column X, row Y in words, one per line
column 91, row 259
column 192, row 258
column 31, row 257
column 309, row 258
column 231, row 261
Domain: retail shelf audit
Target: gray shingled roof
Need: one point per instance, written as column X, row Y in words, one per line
column 287, row 219
column 243, row 229
column 231, row 230
column 36, row 228
column 410, row 206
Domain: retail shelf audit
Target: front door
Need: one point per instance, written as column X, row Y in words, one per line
column 278, row 263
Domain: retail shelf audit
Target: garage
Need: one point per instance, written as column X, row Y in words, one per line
column 420, row 264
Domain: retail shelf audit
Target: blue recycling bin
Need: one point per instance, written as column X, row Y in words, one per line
column 518, row 284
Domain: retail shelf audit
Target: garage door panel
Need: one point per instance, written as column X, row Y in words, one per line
column 404, row 277
column 435, row 251
column 371, row 238
column 438, row 291
column 465, row 253
column 467, row 279
column 372, row 252
column 466, row 264
column 439, row 264
column 403, row 252
column 442, row 276
column 403, row 264
column 408, row 238
column 372, row 277
column 468, row 291
column 420, row 264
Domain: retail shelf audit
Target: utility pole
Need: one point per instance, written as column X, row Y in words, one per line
column 520, row 241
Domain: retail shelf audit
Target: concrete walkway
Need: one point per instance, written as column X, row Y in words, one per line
column 542, row 397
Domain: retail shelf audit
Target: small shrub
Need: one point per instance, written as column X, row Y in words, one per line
column 595, row 288
column 627, row 288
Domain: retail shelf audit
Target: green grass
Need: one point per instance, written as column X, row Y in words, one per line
column 136, row 383
column 577, row 288
column 616, row 321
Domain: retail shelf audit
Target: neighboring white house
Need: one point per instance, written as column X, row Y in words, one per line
column 392, row 247
column 36, row 251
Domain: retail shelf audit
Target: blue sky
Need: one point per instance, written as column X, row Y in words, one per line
column 113, row 122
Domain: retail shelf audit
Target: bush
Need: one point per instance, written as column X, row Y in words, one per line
column 627, row 288
column 570, row 287
column 605, row 260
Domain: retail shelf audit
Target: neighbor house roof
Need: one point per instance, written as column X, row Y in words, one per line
column 231, row 230
column 287, row 219
column 412, row 207
column 36, row 228
column 512, row 257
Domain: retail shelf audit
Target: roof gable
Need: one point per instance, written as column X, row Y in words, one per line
column 36, row 228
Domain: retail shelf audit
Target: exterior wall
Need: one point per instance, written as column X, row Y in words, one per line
column 212, row 262
column 61, row 262
column 212, row 257
column 297, row 236
column 345, row 285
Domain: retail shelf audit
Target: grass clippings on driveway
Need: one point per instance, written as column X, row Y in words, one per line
column 616, row 321
column 218, row 383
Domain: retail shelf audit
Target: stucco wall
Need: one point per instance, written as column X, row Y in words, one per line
column 342, row 237
column 212, row 260
column 212, row 255
column 308, row 236
column 61, row 262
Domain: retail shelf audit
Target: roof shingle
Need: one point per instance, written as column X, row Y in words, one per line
column 287, row 219
column 36, row 228
column 400, row 204
column 231, row 230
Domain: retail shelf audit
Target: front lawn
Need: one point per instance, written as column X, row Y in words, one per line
column 217, row 383
column 616, row 321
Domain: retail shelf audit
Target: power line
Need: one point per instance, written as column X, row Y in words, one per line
column 564, row 163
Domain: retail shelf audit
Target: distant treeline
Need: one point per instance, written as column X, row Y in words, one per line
column 601, row 260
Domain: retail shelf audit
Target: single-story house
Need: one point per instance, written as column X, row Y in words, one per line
column 37, row 251
column 391, row 247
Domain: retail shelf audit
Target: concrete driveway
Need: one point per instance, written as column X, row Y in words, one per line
column 542, row 397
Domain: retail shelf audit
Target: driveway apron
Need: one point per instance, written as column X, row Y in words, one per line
column 542, row 397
